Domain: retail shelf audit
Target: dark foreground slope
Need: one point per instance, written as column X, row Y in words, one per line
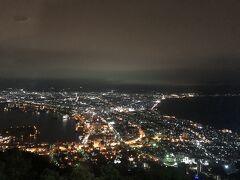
column 16, row 165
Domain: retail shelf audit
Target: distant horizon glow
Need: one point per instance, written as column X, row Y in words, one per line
column 121, row 42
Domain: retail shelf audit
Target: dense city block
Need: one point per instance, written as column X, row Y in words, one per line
column 121, row 127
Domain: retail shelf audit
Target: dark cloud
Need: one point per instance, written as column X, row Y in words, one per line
column 20, row 18
column 137, row 41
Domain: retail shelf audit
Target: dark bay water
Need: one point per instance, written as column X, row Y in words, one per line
column 219, row 111
column 52, row 128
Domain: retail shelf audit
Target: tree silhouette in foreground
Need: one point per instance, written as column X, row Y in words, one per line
column 17, row 165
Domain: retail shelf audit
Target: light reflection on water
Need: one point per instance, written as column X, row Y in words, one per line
column 51, row 125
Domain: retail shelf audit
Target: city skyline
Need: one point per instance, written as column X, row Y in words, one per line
column 119, row 89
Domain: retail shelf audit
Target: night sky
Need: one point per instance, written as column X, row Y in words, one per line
column 176, row 42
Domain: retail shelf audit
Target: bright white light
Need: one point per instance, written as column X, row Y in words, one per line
column 226, row 166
